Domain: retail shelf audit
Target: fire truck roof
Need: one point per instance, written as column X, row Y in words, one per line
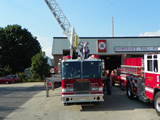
column 80, row 60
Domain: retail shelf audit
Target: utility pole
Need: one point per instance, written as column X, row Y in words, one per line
column 112, row 27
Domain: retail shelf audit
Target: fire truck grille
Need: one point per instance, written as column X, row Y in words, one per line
column 82, row 87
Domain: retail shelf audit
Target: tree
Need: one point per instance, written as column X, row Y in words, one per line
column 18, row 47
column 39, row 67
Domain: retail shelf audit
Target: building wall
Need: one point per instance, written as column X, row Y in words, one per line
column 56, row 60
column 116, row 46
column 60, row 43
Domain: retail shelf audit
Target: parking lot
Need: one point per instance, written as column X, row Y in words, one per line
column 32, row 104
column 13, row 96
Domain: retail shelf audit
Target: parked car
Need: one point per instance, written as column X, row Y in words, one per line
column 7, row 80
column 15, row 77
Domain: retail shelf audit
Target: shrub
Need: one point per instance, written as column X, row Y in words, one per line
column 23, row 77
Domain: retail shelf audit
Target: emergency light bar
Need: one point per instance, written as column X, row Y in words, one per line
column 66, row 57
column 94, row 56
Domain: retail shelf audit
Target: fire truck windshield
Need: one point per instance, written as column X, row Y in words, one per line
column 91, row 69
column 79, row 70
column 71, row 70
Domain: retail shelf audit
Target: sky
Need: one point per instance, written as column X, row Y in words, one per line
column 90, row 18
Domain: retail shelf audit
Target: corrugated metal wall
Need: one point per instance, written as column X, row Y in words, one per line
column 61, row 43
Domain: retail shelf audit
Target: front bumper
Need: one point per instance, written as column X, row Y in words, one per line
column 82, row 98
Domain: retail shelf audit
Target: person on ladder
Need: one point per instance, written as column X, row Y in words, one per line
column 85, row 50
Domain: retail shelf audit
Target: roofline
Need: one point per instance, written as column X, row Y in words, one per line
column 78, row 60
column 109, row 37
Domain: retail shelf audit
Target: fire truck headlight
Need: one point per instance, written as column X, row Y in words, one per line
column 94, row 86
column 100, row 89
column 70, row 88
column 63, row 90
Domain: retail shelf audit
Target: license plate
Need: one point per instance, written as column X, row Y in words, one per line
column 83, row 99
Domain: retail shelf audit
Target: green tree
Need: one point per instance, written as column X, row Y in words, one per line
column 7, row 69
column 39, row 67
column 18, row 47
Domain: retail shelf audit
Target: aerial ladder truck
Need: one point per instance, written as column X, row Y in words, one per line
column 67, row 28
column 81, row 78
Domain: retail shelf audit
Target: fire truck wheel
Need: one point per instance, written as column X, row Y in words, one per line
column 113, row 83
column 157, row 103
column 121, row 85
column 129, row 91
column 65, row 104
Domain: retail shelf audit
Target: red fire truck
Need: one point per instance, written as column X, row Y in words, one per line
column 81, row 80
column 142, row 79
column 120, row 74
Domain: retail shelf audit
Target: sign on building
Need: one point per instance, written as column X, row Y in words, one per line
column 102, row 46
column 136, row 49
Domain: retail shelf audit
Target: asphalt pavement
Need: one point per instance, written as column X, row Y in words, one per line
column 13, row 96
column 115, row 107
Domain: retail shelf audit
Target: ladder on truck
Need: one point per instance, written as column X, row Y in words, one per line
column 133, row 70
column 62, row 20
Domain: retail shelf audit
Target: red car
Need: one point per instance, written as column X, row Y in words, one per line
column 15, row 77
column 7, row 80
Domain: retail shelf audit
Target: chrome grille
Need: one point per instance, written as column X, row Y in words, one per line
column 82, row 87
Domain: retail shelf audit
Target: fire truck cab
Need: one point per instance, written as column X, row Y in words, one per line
column 143, row 80
column 81, row 80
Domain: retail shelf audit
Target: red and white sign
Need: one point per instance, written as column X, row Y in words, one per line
column 102, row 46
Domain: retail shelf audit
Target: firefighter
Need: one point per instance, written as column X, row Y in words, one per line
column 81, row 50
column 88, row 52
column 107, row 82
column 85, row 50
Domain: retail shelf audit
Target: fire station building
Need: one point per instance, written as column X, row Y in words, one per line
column 113, row 50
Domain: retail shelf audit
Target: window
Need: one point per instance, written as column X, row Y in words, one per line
column 155, row 56
column 71, row 70
column 155, row 66
column 78, row 70
column 149, row 57
column 91, row 69
column 149, row 65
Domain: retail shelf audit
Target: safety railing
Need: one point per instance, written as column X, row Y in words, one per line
column 134, row 70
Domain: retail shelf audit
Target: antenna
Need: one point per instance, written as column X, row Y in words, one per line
column 112, row 27
column 112, row 21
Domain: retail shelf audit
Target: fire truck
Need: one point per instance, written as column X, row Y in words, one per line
column 119, row 75
column 142, row 79
column 81, row 78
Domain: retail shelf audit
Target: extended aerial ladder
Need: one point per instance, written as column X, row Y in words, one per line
column 67, row 28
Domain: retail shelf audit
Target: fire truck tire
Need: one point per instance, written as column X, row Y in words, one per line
column 157, row 103
column 121, row 86
column 129, row 91
column 113, row 83
column 66, row 104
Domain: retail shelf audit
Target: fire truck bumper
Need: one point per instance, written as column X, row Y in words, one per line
column 82, row 98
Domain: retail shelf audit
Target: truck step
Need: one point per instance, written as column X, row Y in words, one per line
column 144, row 99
